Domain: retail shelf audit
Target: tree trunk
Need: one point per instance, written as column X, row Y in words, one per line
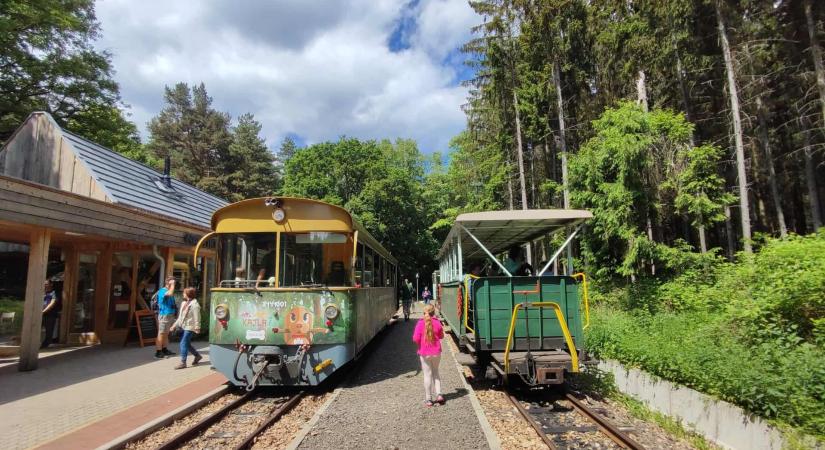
column 641, row 90
column 810, row 176
column 510, row 198
column 680, row 75
column 766, row 147
column 729, row 232
column 744, row 207
column 533, row 178
column 562, row 131
column 816, row 54
column 519, row 153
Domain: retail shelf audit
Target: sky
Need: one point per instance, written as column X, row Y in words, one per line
column 312, row 70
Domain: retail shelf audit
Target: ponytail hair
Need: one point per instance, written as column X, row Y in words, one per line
column 429, row 334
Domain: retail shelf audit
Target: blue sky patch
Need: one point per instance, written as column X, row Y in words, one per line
column 405, row 28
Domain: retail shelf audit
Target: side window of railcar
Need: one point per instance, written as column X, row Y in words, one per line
column 359, row 266
column 245, row 256
column 314, row 258
column 368, row 267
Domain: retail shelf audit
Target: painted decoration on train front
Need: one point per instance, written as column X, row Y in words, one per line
column 278, row 318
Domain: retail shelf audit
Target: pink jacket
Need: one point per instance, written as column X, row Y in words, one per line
column 420, row 337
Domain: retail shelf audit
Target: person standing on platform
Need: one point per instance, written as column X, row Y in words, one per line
column 428, row 334
column 51, row 312
column 189, row 321
column 166, row 316
column 406, row 299
column 426, row 295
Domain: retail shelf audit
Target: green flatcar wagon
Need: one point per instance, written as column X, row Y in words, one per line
column 525, row 319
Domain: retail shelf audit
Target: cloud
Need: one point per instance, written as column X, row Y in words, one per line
column 318, row 70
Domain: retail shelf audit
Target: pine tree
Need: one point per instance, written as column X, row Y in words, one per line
column 195, row 136
column 251, row 166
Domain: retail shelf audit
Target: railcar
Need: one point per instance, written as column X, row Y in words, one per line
column 302, row 289
column 518, row 326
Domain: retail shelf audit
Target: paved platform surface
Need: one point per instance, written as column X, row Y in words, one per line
column 73, row 389
column 381, row 406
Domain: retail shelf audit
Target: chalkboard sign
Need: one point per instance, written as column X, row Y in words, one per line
column 147, row 326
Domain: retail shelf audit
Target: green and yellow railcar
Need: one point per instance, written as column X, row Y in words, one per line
column 528, row 326
column 303, row 289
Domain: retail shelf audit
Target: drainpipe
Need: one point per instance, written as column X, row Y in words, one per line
column 162, row 267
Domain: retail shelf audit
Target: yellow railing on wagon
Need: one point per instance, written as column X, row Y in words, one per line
column 566, row 331
column 586, row 299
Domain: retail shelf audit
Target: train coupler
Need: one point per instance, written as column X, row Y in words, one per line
column 272, row 363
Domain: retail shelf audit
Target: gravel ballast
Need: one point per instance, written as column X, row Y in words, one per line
column 381, row 407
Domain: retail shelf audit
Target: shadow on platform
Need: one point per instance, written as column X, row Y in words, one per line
column 74, row 365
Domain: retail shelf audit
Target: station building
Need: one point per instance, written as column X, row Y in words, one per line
column 105, row 229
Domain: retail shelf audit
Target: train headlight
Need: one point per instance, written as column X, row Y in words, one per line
column 331, row 312
column 221, row 312
column 278, row 215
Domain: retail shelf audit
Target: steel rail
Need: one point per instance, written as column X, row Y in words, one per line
column 204, row 423
column 604, row 425
column 532, row 422
column 280, row 411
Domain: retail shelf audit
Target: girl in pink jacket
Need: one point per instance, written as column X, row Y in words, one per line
column 428, row 334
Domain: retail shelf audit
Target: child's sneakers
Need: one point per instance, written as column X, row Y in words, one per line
column 428, row 403
column 440, row 400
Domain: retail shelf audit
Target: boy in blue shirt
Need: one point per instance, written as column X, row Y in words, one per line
column 166, row 317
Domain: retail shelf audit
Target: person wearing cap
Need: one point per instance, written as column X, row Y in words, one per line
column 166, row 317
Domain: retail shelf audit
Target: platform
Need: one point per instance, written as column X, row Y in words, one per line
column 381, row 406
column 78, row 388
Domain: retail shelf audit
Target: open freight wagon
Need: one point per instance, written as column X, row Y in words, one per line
column 524, row 318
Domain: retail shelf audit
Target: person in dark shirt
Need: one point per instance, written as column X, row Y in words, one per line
column 51, row 312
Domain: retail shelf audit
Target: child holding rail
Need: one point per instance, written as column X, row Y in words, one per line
column 428, row 334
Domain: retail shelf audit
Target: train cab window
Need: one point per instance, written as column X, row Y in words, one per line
column 247, row 258
column 316, row 258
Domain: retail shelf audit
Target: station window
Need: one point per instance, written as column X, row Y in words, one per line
column 246, row 257
column 316, row 258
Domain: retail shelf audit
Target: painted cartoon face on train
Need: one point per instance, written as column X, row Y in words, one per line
column 298, row 328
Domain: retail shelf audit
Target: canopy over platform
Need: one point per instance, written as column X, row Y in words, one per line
column 500, row 230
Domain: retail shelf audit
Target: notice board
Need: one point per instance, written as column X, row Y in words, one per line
column 147, row 326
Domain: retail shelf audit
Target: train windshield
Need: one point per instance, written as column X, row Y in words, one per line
column 315, row 258
column 247, row 256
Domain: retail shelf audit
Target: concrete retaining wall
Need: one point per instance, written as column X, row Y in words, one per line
column 720, row 422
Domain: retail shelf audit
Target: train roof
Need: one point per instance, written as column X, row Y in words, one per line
column 301, row 215
column 500, row 230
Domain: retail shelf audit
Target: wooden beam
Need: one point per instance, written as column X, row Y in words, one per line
column 70, row 274
column 33, row 307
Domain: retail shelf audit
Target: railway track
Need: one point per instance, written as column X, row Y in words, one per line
column 225, row 427
column 554, row 426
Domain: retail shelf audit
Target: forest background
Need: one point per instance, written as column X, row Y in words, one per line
column 693, row 129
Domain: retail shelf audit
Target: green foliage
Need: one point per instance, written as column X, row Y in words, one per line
column 749, row 332
column 700, row 350
column 250, row 168
column 48, row 62
column 624, row 175
column 702, row 194
column 15, row 305
column 381, row 183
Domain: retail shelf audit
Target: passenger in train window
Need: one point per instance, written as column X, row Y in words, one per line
column 267, row 269
column 515, row 263
column 240, row 275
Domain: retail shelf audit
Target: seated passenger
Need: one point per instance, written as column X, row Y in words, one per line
column 266, row 274
column 337, row 274
column 515, row 263
column 240, row 275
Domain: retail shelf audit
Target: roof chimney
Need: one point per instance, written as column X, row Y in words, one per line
column 167, row 179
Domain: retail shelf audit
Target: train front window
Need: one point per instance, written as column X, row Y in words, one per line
column 247, row 259
column 316, row 258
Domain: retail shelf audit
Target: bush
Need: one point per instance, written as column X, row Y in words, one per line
column 699, row 349
column 751, row 332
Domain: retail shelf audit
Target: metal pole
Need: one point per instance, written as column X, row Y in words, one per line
column 486, row 251
column 561, row 248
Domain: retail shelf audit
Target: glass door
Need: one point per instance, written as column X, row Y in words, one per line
column 82, row 319
column 120, row 291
